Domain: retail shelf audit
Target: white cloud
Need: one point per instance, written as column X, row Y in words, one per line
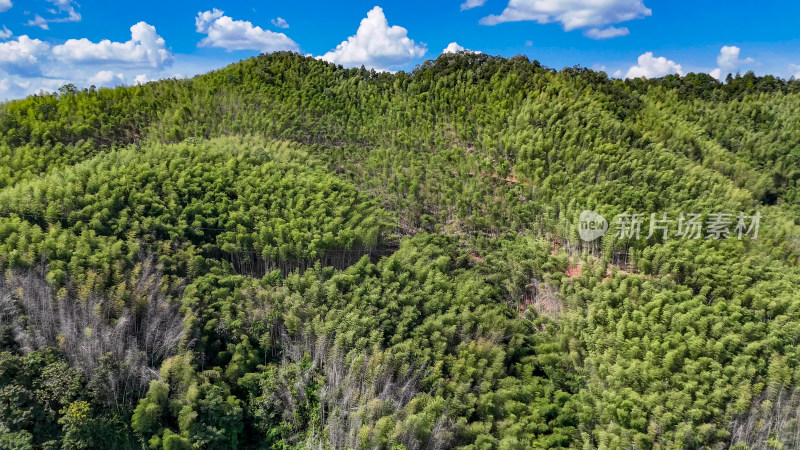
column 5, row 5
column 728, row 61
column 5, row 33
column 453, row 47
column 15, row 87
column 65, row 7
column 29, row 65
column 38, row 21
column 142, row 78
column 107, row 78
column 529, row 43
column 594, row 15
column 728, row 58
column 23, row 55
column 795, row 69
column 224, row 32
column 469, row 4
column 606, row 33
column 280, row 22
column 205, row 19
column 146, row 48
column 376, row 45
column 10, row 86
column 652, row 67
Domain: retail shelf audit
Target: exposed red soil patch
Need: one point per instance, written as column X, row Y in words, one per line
column 574, row 271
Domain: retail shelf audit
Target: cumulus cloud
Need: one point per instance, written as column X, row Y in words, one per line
column 469, row 4
column 592, row 15
column 453, row 47
column 280, row 22
column 224, row 32
column 651, row 67
column 205, row 19
column 23, row 55
column 145, row 48
column 107, row 78
column 376, row 45
column 67, row 12
column 142, row 78
column 5, row 33
column 29, row 65
column 728, row 61
column 5, row 5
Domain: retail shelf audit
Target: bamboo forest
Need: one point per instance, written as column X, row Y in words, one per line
column 286, row 253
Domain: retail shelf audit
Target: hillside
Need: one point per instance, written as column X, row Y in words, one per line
column 287, row 254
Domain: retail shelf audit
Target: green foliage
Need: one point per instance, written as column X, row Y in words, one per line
column 33, row 390
column 259, row 209
column 350, row 259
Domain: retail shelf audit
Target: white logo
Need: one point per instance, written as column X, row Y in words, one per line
column 591, row 226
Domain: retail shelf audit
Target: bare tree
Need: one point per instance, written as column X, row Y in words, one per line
column 360, row 388
column 773, row 420
column 117, row 343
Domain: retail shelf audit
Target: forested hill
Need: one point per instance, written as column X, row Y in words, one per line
column 287, row 254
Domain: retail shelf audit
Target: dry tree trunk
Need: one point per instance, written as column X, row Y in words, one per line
column 118, row 350
column 360, row 387
column 774, row 417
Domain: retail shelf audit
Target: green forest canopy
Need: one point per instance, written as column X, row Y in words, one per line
column 287, row 254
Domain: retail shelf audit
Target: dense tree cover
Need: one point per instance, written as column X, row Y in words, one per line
column 262, row 208
column 418, row 349
column 43, row 406
column 668, row 360
column 288, row 254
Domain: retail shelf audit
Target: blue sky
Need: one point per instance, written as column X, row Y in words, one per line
column 46, row 43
